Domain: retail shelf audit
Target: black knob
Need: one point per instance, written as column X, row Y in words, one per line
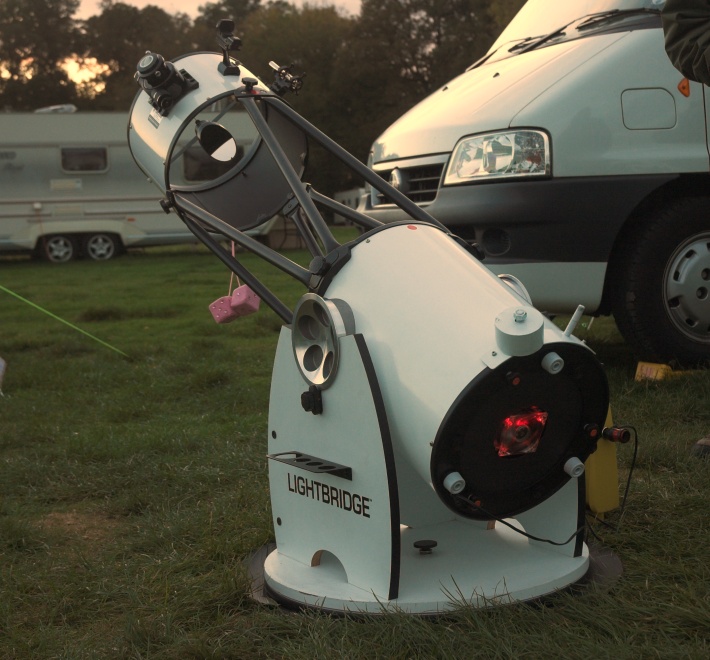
column 249, row 83
column 312, row 400
column 425, row 546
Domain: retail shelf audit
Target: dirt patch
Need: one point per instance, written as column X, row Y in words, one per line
column 87, row 527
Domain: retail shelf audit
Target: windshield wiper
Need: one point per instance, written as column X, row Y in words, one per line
column 531, row 43
column 613, row 14
column 487, row 56
column 583, row 23
column 523, row 42
column 528, row 45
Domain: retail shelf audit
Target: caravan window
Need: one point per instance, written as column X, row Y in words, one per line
column 84, row 159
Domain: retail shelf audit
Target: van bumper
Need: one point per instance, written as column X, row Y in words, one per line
column 555, row 235
column 564, row 219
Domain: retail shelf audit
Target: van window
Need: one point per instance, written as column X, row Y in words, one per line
column 84, row 159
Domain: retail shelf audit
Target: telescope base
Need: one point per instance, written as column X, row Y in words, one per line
column 470, row 567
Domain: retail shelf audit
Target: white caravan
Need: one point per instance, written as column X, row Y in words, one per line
column 70, row 188
column 576, row 156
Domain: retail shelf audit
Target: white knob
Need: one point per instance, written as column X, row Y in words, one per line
column 553, row 363
column 574, row 467
column 454, row 483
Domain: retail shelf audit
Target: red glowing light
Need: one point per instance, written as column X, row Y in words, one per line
column 520, row 434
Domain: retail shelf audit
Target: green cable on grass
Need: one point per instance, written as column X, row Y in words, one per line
column 54, row 316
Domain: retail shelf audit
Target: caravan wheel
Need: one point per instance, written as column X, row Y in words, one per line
column 57, row 249
column 101, row 247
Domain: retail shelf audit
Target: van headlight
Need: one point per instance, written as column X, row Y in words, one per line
column 499, row 155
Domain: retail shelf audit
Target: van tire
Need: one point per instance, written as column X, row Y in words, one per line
column 58, row 248
column 101, row 247
column 660, row 285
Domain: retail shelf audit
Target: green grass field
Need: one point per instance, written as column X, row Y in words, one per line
column 133, row 489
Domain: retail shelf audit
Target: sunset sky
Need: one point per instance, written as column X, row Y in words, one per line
column 91, row 7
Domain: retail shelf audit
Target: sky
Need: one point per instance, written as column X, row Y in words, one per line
column 91, row 7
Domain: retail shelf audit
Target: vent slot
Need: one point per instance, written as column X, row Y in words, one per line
column 420, row 184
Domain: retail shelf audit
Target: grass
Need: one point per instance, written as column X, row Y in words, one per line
column 132, row 490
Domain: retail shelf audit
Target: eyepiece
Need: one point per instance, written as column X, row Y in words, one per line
column 153, row 69
column 163, row 83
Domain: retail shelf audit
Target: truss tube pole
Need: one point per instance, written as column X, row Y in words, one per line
column 267, row 254
column 345, row 211
column 354, row 164
column 233, row 264
column 302, row 224
column 292, row 178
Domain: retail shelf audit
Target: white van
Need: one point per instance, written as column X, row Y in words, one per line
column 70, row 187
column 576, row 156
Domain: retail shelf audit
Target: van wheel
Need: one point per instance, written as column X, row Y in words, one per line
column 661, row 285
column 101, row 247
column 58, row 249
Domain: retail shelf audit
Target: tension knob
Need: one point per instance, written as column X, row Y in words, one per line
column 425, row 546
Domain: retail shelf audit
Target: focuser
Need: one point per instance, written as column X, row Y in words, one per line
column 284, row 80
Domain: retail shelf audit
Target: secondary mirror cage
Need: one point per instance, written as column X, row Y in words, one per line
column 231, row 159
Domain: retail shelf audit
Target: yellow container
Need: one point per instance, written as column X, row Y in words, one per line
column 654, row 371
column 602, row 476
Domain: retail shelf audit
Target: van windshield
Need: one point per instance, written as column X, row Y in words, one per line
column 538, row 19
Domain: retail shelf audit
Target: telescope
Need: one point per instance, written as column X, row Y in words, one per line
column 428, row 427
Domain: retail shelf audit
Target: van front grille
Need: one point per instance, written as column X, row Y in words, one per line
column 420, row 183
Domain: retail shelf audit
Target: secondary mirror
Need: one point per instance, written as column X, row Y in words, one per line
column 216, row 140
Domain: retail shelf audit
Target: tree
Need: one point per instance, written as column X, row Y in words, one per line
column 503, row 11
column 361, row 73
column 424, row 42
column 212, row 12
column 36, row 36
column 121, row 34
column 400, row 52
column 237, row 10
column 311, row 39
